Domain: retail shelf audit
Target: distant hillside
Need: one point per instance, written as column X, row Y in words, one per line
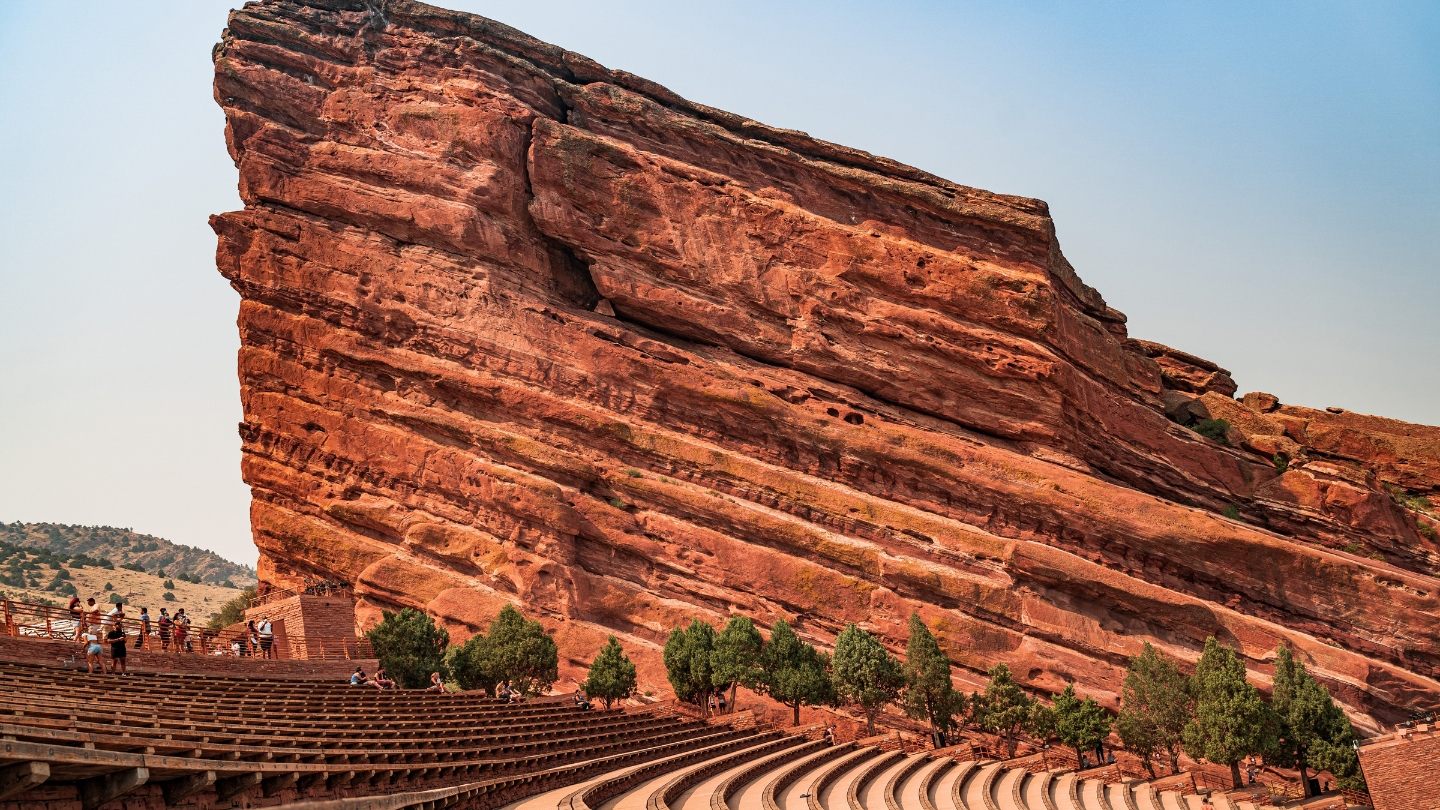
column 106, row 546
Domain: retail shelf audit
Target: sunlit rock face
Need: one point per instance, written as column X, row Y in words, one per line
column 520, row 328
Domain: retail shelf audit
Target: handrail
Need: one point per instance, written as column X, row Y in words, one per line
column 321, row 588
column 53, row 622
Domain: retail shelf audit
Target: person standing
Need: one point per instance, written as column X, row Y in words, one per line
column 92, row 615
column 166, row 625
column 116, row 637
column 114, row 617
column 76, row 614
column 267, row 636
column 182, row 631
column 143, row 642
column 94, row 653
column 253, row 636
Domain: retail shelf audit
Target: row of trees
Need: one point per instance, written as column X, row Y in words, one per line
column 515, row 650
column 1218, row 715
column 1215, row 715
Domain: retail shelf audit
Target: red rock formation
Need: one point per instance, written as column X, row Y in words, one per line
column 517, row 327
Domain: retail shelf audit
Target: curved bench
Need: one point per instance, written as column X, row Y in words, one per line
column 927, row 782
column 607, row 789
column 720, row 799
column 892, row 788
column 791, row 775
column 832, row 773
column 661, row 797
column 880, row 763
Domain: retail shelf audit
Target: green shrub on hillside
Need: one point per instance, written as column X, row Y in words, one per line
column 1213, row 429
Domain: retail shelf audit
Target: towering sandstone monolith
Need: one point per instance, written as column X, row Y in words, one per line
column 520, row 328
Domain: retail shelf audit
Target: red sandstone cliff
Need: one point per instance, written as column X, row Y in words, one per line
column 518, row 327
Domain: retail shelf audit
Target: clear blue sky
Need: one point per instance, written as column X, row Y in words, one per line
column 1256, row 183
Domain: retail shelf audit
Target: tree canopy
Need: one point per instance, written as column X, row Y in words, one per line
column 1314, row 732
column 611, row 676
column 865, row 673
column 929, row 695
column 409, row 646
column 735, row 661
column 795, row 673
column 1005, row 708
column 688, row 666
column 515, row 650
column 1081, row 724
column 1156, row 701
column 1231, row 720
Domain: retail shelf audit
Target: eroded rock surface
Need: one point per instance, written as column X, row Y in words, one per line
column 517, row 327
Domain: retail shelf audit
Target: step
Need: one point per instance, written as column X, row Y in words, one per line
column 1145, row 798
column 1065, row 792
column 1121, row 798
column 1170, row 800
column 1092, row 795
column 1005, row 792
column 942, row 788
column 835, row 781
column 906, row 793
column 789, row 789
column 1036, row 791
column 974, row 792
column 874, row 795
column 867, row 777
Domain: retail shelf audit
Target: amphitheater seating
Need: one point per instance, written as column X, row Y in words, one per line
column 70, row 740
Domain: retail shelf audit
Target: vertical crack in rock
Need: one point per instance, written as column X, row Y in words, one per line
column 836, row 388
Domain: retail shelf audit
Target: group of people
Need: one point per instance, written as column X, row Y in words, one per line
column 92, row 625
column 258, row 640
column 380, row 680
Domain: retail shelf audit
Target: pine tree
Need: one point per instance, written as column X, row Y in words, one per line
column 515, row 650
column 1006, row 707
column 687, row 658
column 1080, row 724
column 929, row 694
column 795, row 673
column 1156, row 702
column 611, row 676
column 736, row 659
column 409, row 646
column 1231, row 721
column 1314, row 732
column 865, row 673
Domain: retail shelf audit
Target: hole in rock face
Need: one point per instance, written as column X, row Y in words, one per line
column 854, row 419
column 832, row 412
column 570, row 275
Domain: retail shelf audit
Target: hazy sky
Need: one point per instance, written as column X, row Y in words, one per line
column 1256, row 183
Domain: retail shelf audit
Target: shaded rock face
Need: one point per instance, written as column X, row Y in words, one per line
column 519, row 328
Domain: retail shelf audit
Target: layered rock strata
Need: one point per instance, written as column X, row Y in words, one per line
column 520, row 328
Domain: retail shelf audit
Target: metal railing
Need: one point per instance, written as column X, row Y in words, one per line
column 28, row 620
column 310, row 588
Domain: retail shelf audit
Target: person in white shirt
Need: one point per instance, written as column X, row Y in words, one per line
column 267, row 636
column 94, row 653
